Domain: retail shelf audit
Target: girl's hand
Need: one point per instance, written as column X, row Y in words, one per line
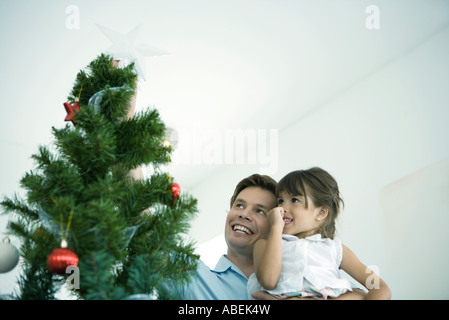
column 276, row 217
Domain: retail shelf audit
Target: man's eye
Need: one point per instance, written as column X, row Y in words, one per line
column 238, row 205
column 260, row 211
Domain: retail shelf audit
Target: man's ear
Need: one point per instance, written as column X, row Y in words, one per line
column 322, row 214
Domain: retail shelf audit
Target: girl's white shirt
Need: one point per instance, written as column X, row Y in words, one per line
column 313, row 258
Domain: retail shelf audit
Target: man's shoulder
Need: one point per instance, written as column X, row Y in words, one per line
column 222, row 282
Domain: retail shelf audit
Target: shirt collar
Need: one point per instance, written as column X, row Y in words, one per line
column 315, row 237
column 225, row 264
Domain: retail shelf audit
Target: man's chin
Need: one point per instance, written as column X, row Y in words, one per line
column 241, row 243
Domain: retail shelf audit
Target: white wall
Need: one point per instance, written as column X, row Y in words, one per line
column 385, row 140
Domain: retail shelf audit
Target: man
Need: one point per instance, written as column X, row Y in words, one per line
column 246, row 222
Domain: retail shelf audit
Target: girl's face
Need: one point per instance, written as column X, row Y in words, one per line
column 299, row 220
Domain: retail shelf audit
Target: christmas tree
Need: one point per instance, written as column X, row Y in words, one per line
column 124, row 235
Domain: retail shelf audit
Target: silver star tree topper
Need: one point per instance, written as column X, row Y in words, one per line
column 126, row 49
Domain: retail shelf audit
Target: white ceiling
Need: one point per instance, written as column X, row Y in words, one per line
column 232, row 64
column 266, row 64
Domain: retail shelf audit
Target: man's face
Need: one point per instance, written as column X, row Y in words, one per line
column 246, row 221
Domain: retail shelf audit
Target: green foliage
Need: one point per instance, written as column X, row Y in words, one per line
column 101, row 75
column 128, row 234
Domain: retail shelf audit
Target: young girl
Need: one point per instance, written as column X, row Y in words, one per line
column 301, row 257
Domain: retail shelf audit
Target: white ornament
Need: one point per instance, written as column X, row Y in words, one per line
column 95, row 100
column 9, row 256
column 124, row 47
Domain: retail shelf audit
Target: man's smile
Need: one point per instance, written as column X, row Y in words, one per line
column 239, row 228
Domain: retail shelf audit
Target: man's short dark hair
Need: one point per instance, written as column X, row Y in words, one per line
column 255, row 180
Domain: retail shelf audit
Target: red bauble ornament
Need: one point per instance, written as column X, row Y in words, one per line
column 71, row 110
column 60, row 258
column 175, row 190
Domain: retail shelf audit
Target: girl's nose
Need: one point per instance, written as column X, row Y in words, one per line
column 283, row 206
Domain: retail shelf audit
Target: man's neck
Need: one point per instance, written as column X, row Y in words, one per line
column 243, row 262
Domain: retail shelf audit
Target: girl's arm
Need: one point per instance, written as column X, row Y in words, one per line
column 378, row 289
column 267, row 253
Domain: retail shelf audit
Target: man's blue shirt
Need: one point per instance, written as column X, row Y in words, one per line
column 224, row 282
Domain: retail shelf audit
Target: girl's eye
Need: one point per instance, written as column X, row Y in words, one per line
column 295, row 200
column 280, row 201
